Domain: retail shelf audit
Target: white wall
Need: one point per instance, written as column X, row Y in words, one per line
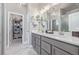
column 14, row 7
column 1, row 28
column 29, row 28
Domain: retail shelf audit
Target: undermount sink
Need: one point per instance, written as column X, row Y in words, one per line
column 58, row 35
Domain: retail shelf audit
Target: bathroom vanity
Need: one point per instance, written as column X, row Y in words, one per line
column 62, row 20
column 50, row 44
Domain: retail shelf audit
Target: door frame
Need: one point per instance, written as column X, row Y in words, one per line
column 22, row 25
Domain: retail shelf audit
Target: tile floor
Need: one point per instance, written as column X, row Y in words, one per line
column 19, row 49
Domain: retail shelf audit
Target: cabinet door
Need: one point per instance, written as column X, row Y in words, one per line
column 47, row 40
column 36, row 35
column 46, row 46
column 67, row 47
column 43, row 52
column 37, row 49
column 33, row 41
column 38, row 41
column 60, row 52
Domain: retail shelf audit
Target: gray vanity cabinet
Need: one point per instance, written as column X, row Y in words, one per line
column 37, row 49
column 67, row 47
column 60, row 52
column 43, row 52
column 49, row 46
column 33, row 41
column 48, row 42
column 36, row 42
column 45, row 46
column 53, row 50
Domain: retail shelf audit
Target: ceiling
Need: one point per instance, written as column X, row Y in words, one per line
column 37, row 7
column 68, row 7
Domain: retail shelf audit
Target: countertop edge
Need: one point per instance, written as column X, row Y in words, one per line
column 71, row 40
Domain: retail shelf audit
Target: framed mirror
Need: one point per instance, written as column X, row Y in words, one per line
column 70, row 18
column 53, row 19
column 74, row 21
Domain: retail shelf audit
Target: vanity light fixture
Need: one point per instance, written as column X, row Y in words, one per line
column 45, row 9
column 48, row 7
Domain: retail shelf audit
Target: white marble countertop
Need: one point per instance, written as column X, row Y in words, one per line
column 67, row 39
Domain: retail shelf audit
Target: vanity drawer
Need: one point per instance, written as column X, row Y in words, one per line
column 60, row 52
column 46, row 46
column 43, row 52
column 36, row 35
column 47, row 40
column 67, row 47
column 37, row 41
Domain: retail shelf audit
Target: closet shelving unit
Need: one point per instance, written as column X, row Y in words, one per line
column 17, row 29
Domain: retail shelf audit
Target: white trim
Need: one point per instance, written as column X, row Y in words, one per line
column 5, row 24
column 8, row 28
column 22, row 26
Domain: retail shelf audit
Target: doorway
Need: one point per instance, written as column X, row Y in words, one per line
column 15, row 29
